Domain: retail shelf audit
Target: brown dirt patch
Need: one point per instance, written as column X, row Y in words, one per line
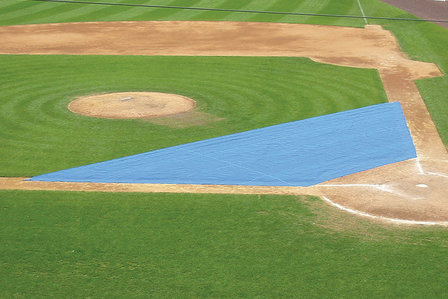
column 392, row 191
column 131, row 105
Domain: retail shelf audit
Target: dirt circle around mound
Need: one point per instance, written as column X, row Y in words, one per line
column 130, row 105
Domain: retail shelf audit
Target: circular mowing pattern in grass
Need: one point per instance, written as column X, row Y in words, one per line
column 130, row 105
column 41, row 135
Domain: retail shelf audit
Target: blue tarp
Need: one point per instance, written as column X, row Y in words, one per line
column 299, row 153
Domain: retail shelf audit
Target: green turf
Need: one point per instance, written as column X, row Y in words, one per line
column 97, row 245
column 40, row 134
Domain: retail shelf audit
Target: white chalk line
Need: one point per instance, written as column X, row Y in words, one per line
column 394, row 220
column 383, row 188
column 420, row 169
column 437, row 174
column 362, row 11
column 419, row 166
column 349, row 185
column 393, row 191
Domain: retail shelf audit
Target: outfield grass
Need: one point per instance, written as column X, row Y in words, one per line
column 25, row 12
column 57, row 244
column 41, row 135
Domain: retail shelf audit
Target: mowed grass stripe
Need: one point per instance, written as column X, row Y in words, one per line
column 156, row 13
column 250, row 5
column 306, row 6
column 71, row 12
column 112, row 13
column 186, row 14
column 349, row 8
column 220, row 15
column 284, row 6
column 78, row 13
column 330, row 7
column 17, row 12
column 64, row 12
column 247, row 92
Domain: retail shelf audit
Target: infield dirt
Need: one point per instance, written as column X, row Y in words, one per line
column 411, row 190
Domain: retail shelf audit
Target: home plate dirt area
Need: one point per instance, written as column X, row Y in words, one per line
column 412, row 191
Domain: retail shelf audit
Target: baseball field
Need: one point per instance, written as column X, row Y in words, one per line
column 204, row 244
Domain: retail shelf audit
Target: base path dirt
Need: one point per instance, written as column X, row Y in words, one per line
column 413, row 190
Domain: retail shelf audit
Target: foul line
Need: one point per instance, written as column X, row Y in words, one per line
column 395, row 220
column 362, row 11
column 245, row 11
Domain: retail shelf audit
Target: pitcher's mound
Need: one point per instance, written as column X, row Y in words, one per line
column 131, row 105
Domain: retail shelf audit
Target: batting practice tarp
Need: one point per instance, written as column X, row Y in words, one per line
column 299, row 153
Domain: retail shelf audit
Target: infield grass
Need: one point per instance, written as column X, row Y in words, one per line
column 102, row 245
column 41, row 135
